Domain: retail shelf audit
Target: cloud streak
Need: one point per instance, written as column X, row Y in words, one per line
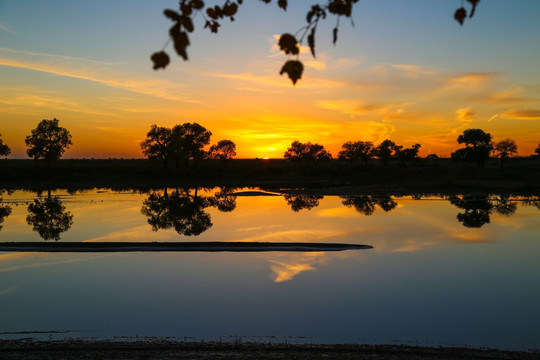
column 105, row 73
column 7, row 29
column 522, row 114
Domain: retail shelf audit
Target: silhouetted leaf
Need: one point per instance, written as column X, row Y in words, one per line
column 460, row 15
column 181, row 42
column 160, row 59
column 474, row 3
column 288, row 43
column 282, row 4
column 197, row 4
column 188, row 24
column 215, row 13
column 311, row 41
column 171, row 14
column 334, row 35
column 186, row 9
column 266, row 1
column 340, row 7
column 294, row 69
column 317, row 11
column 230, row 9
column 213, row 25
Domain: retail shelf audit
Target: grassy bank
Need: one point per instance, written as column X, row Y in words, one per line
column 520, row 175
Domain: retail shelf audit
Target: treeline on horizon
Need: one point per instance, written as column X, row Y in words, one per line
column 184, row 144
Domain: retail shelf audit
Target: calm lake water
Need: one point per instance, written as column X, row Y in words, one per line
column 442, row 271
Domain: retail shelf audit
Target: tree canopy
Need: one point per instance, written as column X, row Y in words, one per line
column 181, row 143
column 306, row 152
column 49, row 218
column 385, row 151
column 224, row 150
column 477, row 148
column 214, row 15
column 188, row 141
column 48, row 141
column 156, row 144
column 4, row 149
column 358, row 150
column 504, row 149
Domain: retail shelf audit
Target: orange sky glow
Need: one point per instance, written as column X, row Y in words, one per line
column 421, row 80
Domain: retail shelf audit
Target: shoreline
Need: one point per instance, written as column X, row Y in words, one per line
column 166, row 349
column 214, row 246
column 520, row 176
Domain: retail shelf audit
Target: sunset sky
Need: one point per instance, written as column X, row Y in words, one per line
column 406, row 71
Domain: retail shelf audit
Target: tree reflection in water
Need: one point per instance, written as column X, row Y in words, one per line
column 479, row 208
column 532, row 201
column 184, row 211
column 48, row 216
column 365, row 204
column 300, row 202
column 5, row 210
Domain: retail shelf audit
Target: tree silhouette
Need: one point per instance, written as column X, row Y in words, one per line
column 300, row 202
column 48, row 141
column 477, row 148
column 4, row 149
column 359, row 150
column 224, row 200
column 504, row 149
column 532, row 201
column 386, row 203
column 188, row 141
column 385, row 151
column 308, row 152
column 180, row 211
column 537, row 150
column 365, row 204
column 477, row 209
column 407, row 154
column 184, row 211
column 48, row 216
column 156, row 146
column 504, row 206
column 5, row 211
column 224, row 150
column 212, row 15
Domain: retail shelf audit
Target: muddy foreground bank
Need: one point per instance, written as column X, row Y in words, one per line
column 165, row 350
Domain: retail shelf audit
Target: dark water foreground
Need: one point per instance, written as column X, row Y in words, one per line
column 165, row 350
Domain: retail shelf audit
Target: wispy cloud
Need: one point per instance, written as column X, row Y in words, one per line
column 105, row 73
column 493, row 117
column 465, row 114
column 7, row 29
column 522, row 114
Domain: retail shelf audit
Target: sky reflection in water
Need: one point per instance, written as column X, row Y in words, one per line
column 432, row 278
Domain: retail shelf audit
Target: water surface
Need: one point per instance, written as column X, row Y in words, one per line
column 443, row 271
